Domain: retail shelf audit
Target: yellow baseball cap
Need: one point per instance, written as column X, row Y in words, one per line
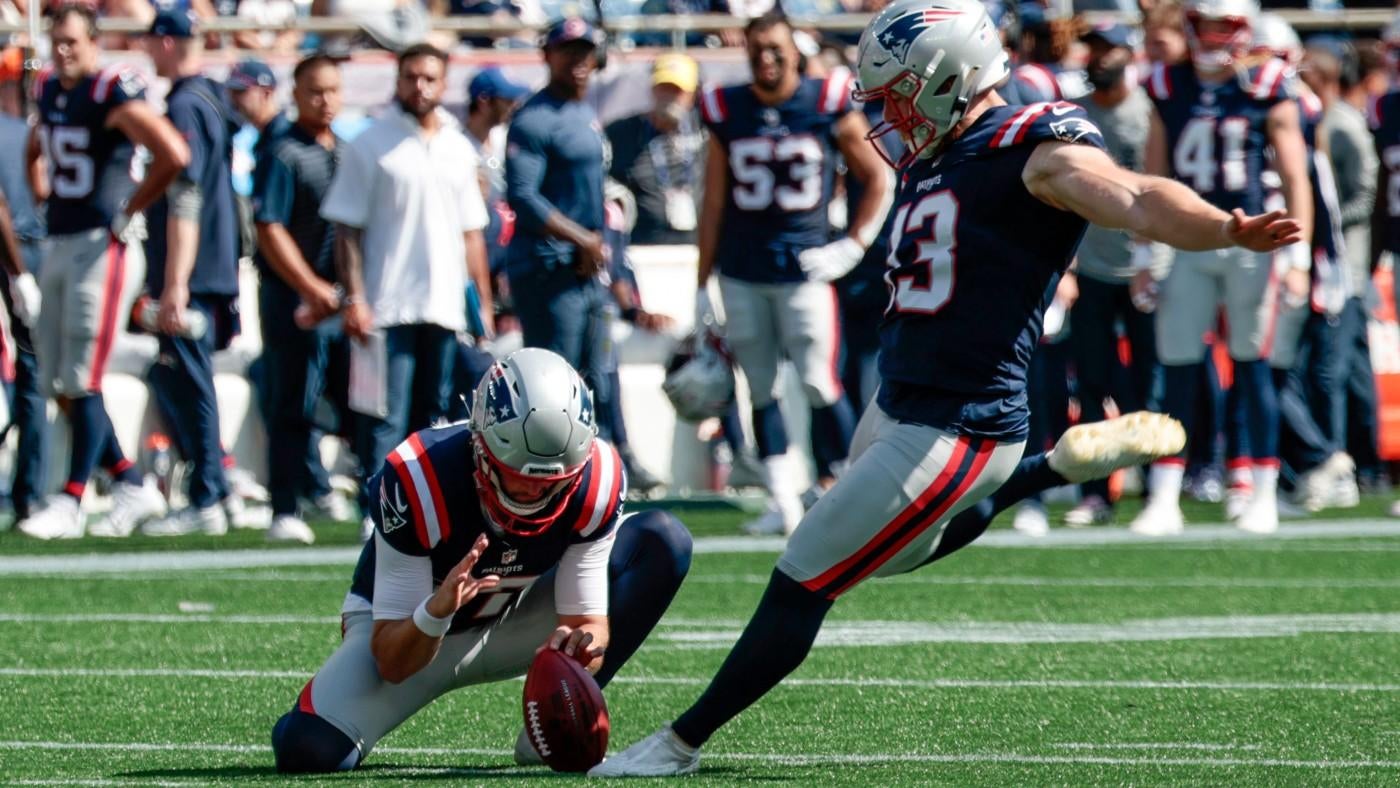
column 674, row 68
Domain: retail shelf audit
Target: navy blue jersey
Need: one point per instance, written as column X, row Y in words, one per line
column 198, row 109
column 1385, row 122
column 427, row 506
column 973, row 265
column 1217, row 132
column 1034, row 82
column 90, row 163
column 782, row 164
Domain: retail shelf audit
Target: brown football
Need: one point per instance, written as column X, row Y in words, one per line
column 565, row 715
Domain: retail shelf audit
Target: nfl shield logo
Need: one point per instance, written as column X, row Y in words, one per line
column 509, row 556
column 770, row 117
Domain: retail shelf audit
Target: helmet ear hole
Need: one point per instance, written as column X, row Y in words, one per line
column 947, row 86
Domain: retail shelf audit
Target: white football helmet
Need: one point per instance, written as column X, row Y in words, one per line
column 1274, row 35
column 927, row 60
column 1219, row 50
column 700, row 376
column 532, row 427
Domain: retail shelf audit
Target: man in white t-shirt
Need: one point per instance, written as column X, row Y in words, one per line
column 409, row 216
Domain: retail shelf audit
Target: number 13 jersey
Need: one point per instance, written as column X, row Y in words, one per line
column 781, row 169
column 90, row 163
column 1217, row 132
column 974, row 261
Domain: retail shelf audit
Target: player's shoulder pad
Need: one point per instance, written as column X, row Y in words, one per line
column 1040, row 81
column 117, row 84
column 714, row 104
column 601, row 493
column 1270, row 81
column 834, row 97
column 1310, row 105
column 415, row 496
column 1045, row 121
column 44, row 81
column 1161, row 80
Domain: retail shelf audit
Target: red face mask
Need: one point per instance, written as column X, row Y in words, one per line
column 899, row 118
column 496, row 481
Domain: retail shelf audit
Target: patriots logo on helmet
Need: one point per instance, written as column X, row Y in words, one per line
column 500, row 400
column 585, row 408
column 899, row 35
column 1073, row 129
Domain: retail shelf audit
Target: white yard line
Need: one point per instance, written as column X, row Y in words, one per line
column 186, row 561
column 794, row 759
column 1153, row 745
column 689, row 681
column 936, row 579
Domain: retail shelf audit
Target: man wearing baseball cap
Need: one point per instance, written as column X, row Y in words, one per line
column 554, row 184
column 1121, row 110
column 659, row 155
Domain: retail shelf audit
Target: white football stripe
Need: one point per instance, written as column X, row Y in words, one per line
column 606, row 474
column 422, row 491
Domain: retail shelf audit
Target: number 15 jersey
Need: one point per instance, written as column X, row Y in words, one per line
column 1217, row 133
column 974, row 261
column 90, row 163
column 781, row 169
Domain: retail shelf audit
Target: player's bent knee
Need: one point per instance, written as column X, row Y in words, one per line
column 304, row 743
column 666, row 537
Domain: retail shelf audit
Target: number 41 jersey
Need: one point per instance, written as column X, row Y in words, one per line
column 974, row 261
column 1217, row 132
column 781, row 169
column 90, row 164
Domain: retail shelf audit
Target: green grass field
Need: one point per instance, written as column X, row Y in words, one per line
column 1084, row 659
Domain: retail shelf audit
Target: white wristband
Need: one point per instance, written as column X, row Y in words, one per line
column 431, row 625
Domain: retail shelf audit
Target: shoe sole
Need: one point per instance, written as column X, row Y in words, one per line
column 1092, row 451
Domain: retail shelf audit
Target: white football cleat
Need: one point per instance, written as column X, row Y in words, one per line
column 1260, row 517
column 290, row 528
column 770, row 523
column 211, row 521
column 334, row 507
column 61, row 518
column 240, row 515
column 1031, row 519
column 1093, row 510
column 1093, row 451
column 244, row 484
column 661, row 754
column 1159, row 518
column 132, row 505
column 525, row 753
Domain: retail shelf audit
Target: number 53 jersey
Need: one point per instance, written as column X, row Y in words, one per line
column 974, row 261
column 90, row 164
column 781, row 169
column 1217, row 132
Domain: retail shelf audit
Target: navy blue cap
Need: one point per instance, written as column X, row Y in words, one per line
column 568, row 30
column 491, row 82
column 176, row 23
column 251, row 73
column 1114, row 34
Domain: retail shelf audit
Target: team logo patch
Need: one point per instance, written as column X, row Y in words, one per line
column 899, row 35
column 769, row 116
column 1073, row 129
column 509, row 556
column 585, row 408
column 393, row 512
column 500, row 400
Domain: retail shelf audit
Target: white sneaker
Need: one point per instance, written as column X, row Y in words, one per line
column 1092, row 451
column 1159, row 519
column 1031, row 520
column 211, row 520
column 334, row 507
column 1260, row 517
column 61, row 518
column 1316, row 489
column 132, row 505
column 1093, row 510
column 244, row 484
column 366, row 529
column 770, row 523
column 241, row 515
column 525, row 754
column 289, row 528
column 661, row 754
column 1237, row 499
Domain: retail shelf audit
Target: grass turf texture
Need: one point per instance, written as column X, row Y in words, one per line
column 1078, row 691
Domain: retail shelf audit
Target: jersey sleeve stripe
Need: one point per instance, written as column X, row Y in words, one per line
column 1008, row 124
column 1013, row 130
column 1158, row 84
column 402, row 461
column 836, row 90
column 712, row 105
column 590, row 496
column 605, row 489
column 102, row 86
column 1040, row 78
column 1269, row 77
column 41, row 80
column 440, row 520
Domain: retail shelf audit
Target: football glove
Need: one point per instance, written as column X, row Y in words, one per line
column 831, row 262
column 24, row 291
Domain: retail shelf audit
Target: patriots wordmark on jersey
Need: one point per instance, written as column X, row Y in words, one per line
column 428, row 506
column 782, row 164
column 91, row 166
column 973, row 263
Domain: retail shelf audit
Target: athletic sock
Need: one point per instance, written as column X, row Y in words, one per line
column 832, row 427
column 90, row 429
column 774, row 644
column 768, row 430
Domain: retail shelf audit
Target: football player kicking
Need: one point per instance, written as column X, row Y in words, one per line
column 465, row 580
column 996, row 198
